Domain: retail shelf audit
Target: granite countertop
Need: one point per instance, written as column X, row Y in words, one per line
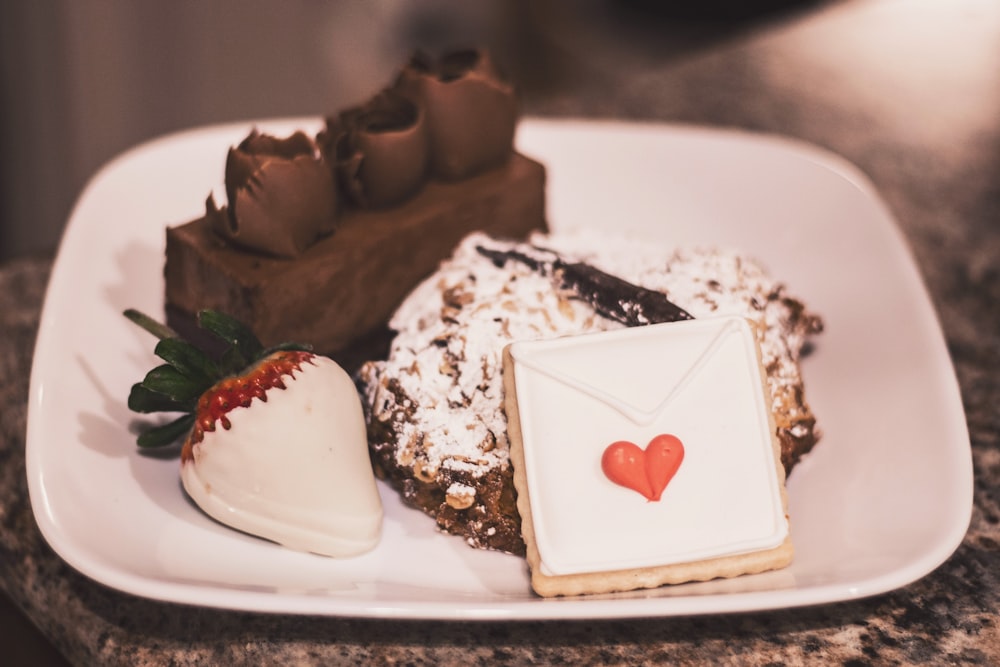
column 908, row 91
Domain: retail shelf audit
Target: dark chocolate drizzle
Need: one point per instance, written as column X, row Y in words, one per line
column 609, row 295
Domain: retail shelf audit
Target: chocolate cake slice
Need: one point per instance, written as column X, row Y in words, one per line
column 437, row 427
column 320, row 238
column 348, row 283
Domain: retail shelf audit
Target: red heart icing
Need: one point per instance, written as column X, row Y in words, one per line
column 647, row 472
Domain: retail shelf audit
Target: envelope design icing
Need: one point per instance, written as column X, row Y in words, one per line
column 699, row 382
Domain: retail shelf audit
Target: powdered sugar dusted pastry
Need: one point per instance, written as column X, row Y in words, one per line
column 436, row 421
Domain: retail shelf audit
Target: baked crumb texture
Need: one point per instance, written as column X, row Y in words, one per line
column 436, row 421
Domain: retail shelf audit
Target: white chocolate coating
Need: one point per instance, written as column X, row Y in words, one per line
column 294, row 469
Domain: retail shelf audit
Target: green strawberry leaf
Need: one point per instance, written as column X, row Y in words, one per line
column 232, row 362
column 168, row 381
column 190, row 371
column 188, row 360
column 167, row 434
column 233, row 332
column 143, row 400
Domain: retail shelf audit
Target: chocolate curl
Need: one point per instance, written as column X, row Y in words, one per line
column 609, row 295
column 379, row 150
column 280, row 196
column 471, row 111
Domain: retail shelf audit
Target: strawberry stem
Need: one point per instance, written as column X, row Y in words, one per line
column 161, row 331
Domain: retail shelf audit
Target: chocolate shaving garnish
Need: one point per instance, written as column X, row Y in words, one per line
column 379, row 150
column 286, row 147
column 471, row 111
column 609, row 295
column 280, row 199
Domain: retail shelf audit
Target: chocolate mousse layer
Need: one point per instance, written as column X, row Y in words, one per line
column 348, row 284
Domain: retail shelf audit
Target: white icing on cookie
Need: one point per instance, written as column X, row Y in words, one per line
column 699, row 381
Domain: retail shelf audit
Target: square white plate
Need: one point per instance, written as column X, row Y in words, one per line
column 883, row 500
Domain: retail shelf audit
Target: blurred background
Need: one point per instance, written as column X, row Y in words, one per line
column 909, row 90
column 84, row 81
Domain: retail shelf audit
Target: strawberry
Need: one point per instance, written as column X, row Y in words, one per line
column 274, row 439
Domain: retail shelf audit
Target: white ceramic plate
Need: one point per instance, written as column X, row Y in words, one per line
column 883, row 500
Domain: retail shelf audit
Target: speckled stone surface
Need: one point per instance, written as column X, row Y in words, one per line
column 908, row 91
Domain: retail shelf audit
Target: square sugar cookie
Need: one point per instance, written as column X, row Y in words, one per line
column 645, row 456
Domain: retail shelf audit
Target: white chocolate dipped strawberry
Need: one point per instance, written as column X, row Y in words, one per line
column 275, row 441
